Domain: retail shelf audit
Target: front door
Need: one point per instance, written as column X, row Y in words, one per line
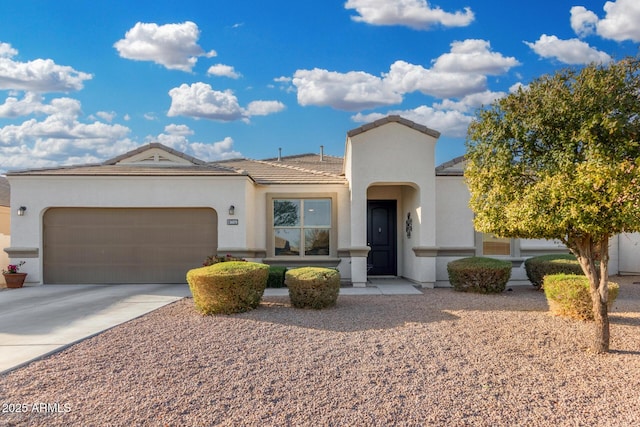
column 381, row 237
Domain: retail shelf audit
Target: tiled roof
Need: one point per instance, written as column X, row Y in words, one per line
column 302, row 169
column 5, row 191
column 454, row 167
column 394, row 119
column 132, row 170
column 150, row 146
column 116, row 166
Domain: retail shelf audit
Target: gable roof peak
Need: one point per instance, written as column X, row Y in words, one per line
column 135, row 156
column 394, row 118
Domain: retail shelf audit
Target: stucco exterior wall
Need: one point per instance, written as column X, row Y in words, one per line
column 454, row 218
column 457, row 238
column 41, row 193
column 341, row 227
column 394, row 156
column 5, row 239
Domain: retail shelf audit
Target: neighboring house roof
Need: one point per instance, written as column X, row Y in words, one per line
column 453, row 167
column 393, row 119
column 302, row 169
column 5, row 191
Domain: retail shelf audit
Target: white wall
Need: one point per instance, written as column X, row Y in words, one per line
column 394, row 156
column 39, row 193
column 454, row 218
column 628, row 253
column 456, row 232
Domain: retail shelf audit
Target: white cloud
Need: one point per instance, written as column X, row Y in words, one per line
column 461, row 72
column 448, row 123
column 583, row 21
column 172, row 45
column 572, row 51
column 474, row 56
column 406, row 78
column 222, row 70
column 355, row 90
column 264, row 108
column 6, row 51
column 60, row 138
column 200, row 100
column 39, row 75
column 220, row 150
column 107, row 116
column 176, row 137
column 31, row 103
column 182, row 130
column 470, row 102
column 415, row 14
column 620, row 21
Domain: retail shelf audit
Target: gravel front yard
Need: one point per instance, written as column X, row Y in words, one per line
column 441, row 358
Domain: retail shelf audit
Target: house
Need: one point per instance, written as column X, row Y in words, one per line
column 151, row 214
column 5, row 219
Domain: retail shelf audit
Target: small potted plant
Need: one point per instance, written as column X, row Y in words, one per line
column 12, row 275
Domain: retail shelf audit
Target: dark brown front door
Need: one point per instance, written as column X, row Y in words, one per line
column 381, row 237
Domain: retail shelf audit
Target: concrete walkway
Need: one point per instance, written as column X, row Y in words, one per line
column 36, row 321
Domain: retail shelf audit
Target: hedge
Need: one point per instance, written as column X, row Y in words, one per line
column 540, row 266
column 313, row 287
column 276, row 276
column 228, row 287
column 568, row 295
column 479, row 274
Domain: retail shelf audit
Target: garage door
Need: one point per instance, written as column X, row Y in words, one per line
column 88, row 245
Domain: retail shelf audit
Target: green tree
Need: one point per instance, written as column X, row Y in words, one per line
column 560, row 159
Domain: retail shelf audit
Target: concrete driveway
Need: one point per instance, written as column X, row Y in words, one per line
column 39, row 320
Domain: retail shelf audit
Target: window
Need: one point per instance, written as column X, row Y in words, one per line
column 493, row 245
column 301, row 227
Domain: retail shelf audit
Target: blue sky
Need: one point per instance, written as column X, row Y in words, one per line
column 81, row 82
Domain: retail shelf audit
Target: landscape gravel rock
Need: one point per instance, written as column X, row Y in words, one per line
column 441, row 358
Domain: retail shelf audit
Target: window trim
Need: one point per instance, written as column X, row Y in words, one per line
column 514, row 247
column 333, row 230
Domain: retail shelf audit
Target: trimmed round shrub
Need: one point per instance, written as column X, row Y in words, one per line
column 313, row 287
column 228, row 287
column 568, row 295
column 540, row 266
column 479, row 274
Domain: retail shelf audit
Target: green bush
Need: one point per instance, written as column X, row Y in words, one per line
column 479, row 274
column 540, row 266
column 276, row 276
column 568, row 295
column 214, row 259
column 228, row 287
column 313, row 287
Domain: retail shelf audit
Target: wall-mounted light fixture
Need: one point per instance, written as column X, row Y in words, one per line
column 232, row 210
column 21, row 210
column 409, row 225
